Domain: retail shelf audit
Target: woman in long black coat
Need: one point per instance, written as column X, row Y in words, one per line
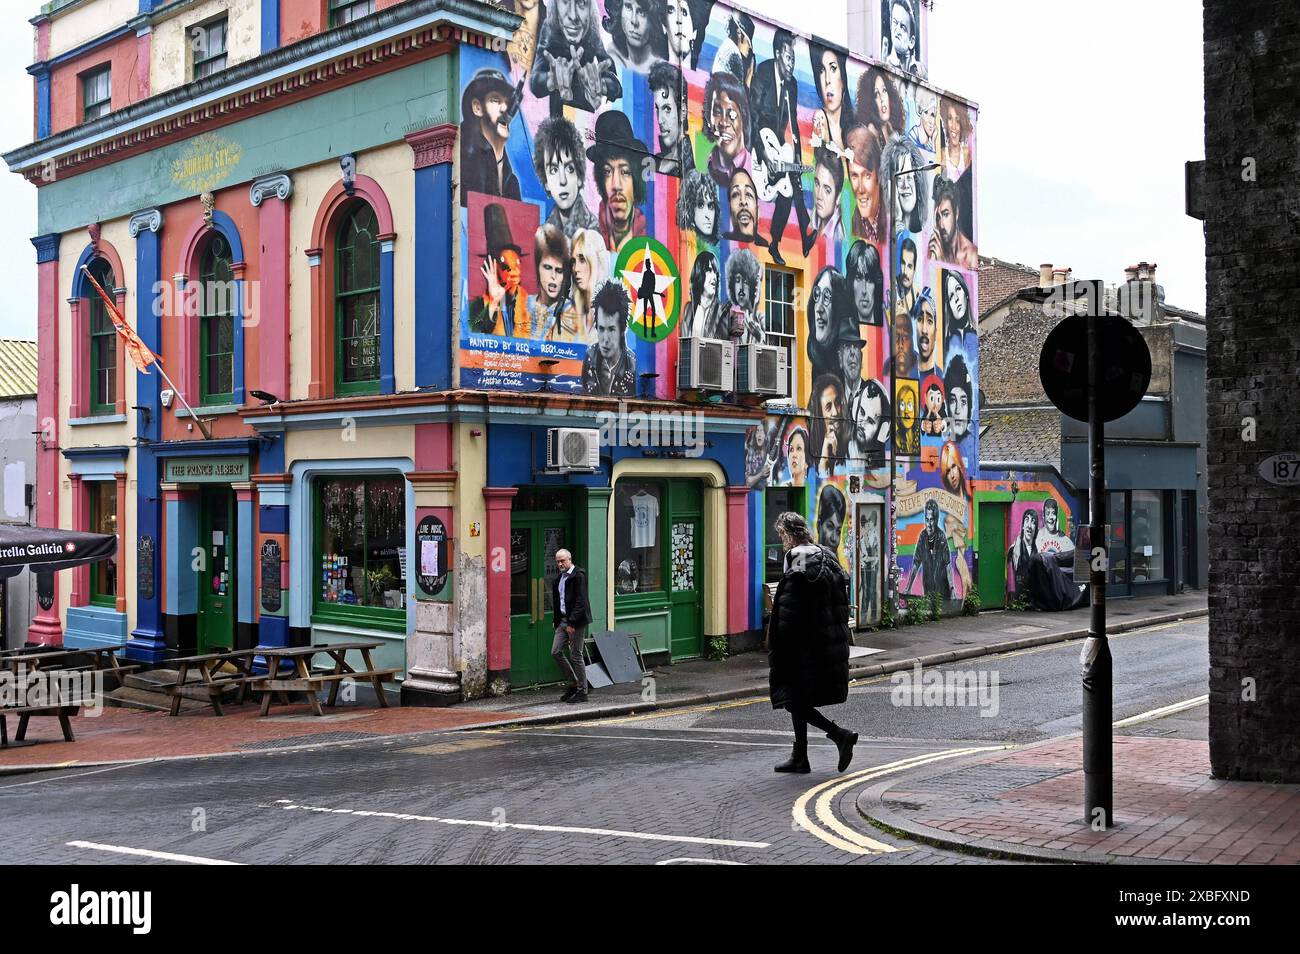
column 808, row 641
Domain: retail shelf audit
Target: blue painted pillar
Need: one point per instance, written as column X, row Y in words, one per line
column 436, row 329
column 42, row 75
column 757, row 558
column 246, row 565
column 240, row 306
column 270, row 25
column 387, row 380
column 147, row 642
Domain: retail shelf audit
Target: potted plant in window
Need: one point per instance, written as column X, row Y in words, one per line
column 381, row 586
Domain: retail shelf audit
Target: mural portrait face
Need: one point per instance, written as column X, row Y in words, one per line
column 830, row 81
column 563, row 183
column 945, row 222
column 550, row 275
column 928, row 106
column 608, row 338
column 825, row 195
column 1051, row 517
column 954, row 476
column 831, row 511
column 508, row 271
column 706, row 210
column 871, row 414
column 797, row 458
column 1029, row 528
column 830, row 404
column 906, row 188
column 953, row 124
column 864, row 297
column 880, row 96
column 636, row 26
column 959, row 411
column 681, row 29
column 823, row 308
column 851, row 363
column 866, row 190
column 906, row 268
column 575, row 16
column 619, row 188
column 726, row 116
column 743, row 199
column 907, row 407
column 958, row 305
column 901, row 29
column 668, row 117
column 902, row 334
column 927, row 329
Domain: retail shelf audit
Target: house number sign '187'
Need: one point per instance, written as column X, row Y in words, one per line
column 1282, row 469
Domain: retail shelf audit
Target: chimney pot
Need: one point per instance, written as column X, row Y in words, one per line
column 1045, row 274
column 1058, row 276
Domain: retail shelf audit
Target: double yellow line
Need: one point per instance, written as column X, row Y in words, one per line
column 822, row 797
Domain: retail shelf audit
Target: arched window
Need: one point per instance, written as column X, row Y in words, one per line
column 103, row 343
column 216, row 307
column 356, row 303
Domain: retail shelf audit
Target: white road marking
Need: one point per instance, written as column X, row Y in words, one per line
column 288, row 805
column 839, row 835
column 1163, row 711
column 697, row 861
column 146, row 853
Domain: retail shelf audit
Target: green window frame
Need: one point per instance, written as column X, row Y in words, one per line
column 103, row 343
column 359, row 534
column 209, row 43
column 216, row 323
column 96, row 93
column 345, row 11
column 103, row 519
column 356, row 303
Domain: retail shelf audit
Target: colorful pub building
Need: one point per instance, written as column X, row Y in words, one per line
column 441, row 286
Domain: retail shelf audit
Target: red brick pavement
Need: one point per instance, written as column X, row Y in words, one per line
column 1166, row 805
column 127, row 734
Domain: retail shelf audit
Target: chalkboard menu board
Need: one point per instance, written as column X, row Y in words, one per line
column 45, row 589
column 431, row 555
column 271, row 576
column 144, row 576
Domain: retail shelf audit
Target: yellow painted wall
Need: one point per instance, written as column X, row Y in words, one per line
column 329, row 444
column 86, row 22
column 171, row 55
column 391, row 168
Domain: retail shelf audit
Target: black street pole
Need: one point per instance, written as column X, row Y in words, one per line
column 1097, row 703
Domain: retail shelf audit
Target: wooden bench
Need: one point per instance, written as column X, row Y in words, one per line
column 26, row 713
column 302, row 679
column 211, row 680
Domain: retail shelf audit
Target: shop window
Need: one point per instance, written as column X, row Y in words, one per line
column 1117, row 517
column 345, row 11
column 217, row 292
column 96, row 93
column 208, row 41
column 638, row 538
column 1148, row 536
column 103, row 519
column 103, row 343
column 356, row 303
column 361, row 551
column 776, row 501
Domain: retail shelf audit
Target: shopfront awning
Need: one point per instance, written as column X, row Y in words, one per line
column 47, row 550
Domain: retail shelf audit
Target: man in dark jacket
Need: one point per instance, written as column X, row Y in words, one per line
column 571, row 614
column 808, row 641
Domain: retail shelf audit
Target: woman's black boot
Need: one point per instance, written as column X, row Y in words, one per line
column 844, row 741
column 798, row 761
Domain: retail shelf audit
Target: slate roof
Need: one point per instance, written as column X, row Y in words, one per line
column 1022, row 435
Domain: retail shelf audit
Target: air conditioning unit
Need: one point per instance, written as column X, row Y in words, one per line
column 763, row 369
column 705, row 364
column 573, row 449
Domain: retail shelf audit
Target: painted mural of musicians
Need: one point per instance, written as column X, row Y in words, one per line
column 932, row 558
column 638, row 30
column 726, row 125
column 688, row 20
column 704, row 315
column 745, row 323
column 868, row 566
column 548, row 311
column 774, row 98
column 948, row 242
column 900, row 35
column 1024, row 551
column 487, row 106
column 571, row 64
column 1053, row 538
column 561, row 167
column 830, row 425
column 668, row 88
column 616, row 160
column 502, row 309
column 610, row 365
column 869, row 417
column 698, row 206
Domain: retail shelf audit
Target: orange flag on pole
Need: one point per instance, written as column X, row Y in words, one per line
column 136, row 349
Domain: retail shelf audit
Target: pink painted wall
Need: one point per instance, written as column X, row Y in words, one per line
column 65, row 82
column 46, row 628
column 737, row 560
column 499, row 501
column 272, row 300
column 433, row 448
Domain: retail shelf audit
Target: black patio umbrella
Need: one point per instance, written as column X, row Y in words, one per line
column 46, row 550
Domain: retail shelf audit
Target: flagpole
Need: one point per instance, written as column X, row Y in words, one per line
column 121, row 323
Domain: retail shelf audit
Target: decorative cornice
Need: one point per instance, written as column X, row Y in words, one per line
column 47, row 248
column 151, row 219
column 400, row 34
column 279, row 184
column 433, row 146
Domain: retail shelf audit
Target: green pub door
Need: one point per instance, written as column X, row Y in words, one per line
column 216, row 629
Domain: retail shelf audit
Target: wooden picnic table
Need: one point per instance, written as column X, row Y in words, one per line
column 34, row 657
column 37, row 658
column 211, row 678
column 302, row 679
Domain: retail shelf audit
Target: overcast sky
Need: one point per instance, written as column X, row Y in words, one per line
column 1087, row 114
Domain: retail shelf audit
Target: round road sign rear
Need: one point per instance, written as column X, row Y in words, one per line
column 1122, row 378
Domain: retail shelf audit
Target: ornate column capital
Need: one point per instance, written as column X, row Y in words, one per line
column 151, row 219
column 47, row 248
column 279, row 184
column 433, row 146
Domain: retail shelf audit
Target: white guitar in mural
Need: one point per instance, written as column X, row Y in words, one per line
column 772, row 173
